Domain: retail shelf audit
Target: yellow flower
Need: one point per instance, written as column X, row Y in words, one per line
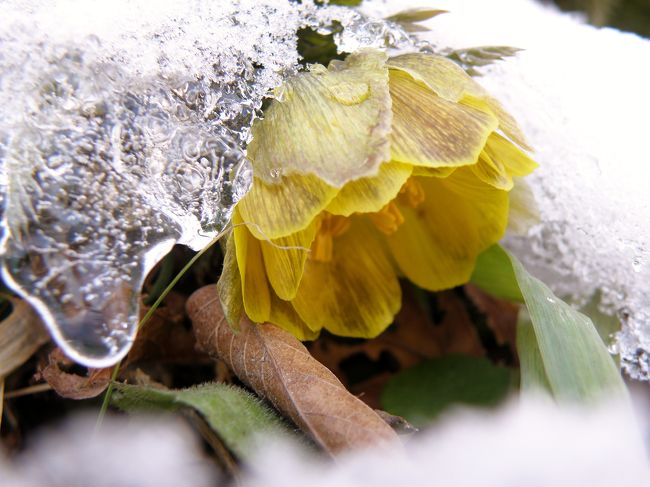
column 382, row 168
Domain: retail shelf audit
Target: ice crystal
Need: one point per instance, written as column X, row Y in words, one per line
column 123, row 131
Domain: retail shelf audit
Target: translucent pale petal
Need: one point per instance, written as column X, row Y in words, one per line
column 276, row 210
column 492, row 172
column 255, row 287
column 449, row 81
column 524, row 212
column 443, row 76
column 367, row 195
column 332, row 123
column 355, row 294
column 284, row 260
column 438, row 243
column 229, row 287
column 431, row 131
column 516, row 162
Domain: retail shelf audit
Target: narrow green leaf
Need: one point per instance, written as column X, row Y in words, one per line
column 235, row 415
column 493, row 273
column 475, row 57
column 415, row 15
column 422, row 392
column 531, row 365
column 577, row 363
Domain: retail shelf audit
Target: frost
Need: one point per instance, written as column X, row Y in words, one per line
column 580, row 96
column 123, row 131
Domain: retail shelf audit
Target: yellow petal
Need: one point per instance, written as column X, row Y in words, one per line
column 443, row 76
column 492, row 172
column 255, row 287
column 284, row 260
column 367, row 195
column 356, row 293
column 437, row 245
column 229, row 287
column 277, row 210
column 431, row 131
column 333, row 123
column 507, row 123
column 284, row 315
column 433, row 172
column 449, row 81
column 516, row 162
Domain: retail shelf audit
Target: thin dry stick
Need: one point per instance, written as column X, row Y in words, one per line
column 2, row 399
column 26, row 391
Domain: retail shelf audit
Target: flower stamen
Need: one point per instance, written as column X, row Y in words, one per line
column 329, row 227
column 412, row 193
column 388, row 219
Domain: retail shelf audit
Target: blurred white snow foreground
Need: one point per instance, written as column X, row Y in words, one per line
column 529, row 443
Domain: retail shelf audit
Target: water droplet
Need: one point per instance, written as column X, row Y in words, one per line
column 349, row 93
column 550, row 299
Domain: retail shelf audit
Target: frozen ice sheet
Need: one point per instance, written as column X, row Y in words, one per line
column 123, row 132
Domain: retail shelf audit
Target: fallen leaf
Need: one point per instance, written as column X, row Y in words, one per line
column 166, row 337
column 71, row 385
column 279, row 368
column 21, row 334
column 500, row 315
column 418, row 334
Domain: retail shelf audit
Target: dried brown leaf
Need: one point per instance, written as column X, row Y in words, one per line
column 21, row 334
column 500, row 315
column 278, row 367
column 165, row 337
column 70, row 385
column 414, row 337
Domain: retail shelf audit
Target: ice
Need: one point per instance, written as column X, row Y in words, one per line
column 123, row 132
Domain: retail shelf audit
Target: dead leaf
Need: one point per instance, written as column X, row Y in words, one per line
column 21, row 334
column 71, row 385
column 165, row 337
column 500, row 315
column 418, row 334
column 278, row 367
column 399, row 424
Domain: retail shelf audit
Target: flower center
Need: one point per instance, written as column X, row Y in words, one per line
column 388, row 219
column 412, row 193
column 329, row 227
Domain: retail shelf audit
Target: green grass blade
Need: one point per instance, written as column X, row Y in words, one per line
column 494, row 274
column 577, row 363
column 531, row 365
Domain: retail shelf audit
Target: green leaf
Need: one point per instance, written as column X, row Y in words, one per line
column 422, row 392
column 531, row 365
column 317, row 48
column 577, row 363
column 493, row 273
column 475, row 57
column 235, row 415
column 559, row 348
column 413, row 15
